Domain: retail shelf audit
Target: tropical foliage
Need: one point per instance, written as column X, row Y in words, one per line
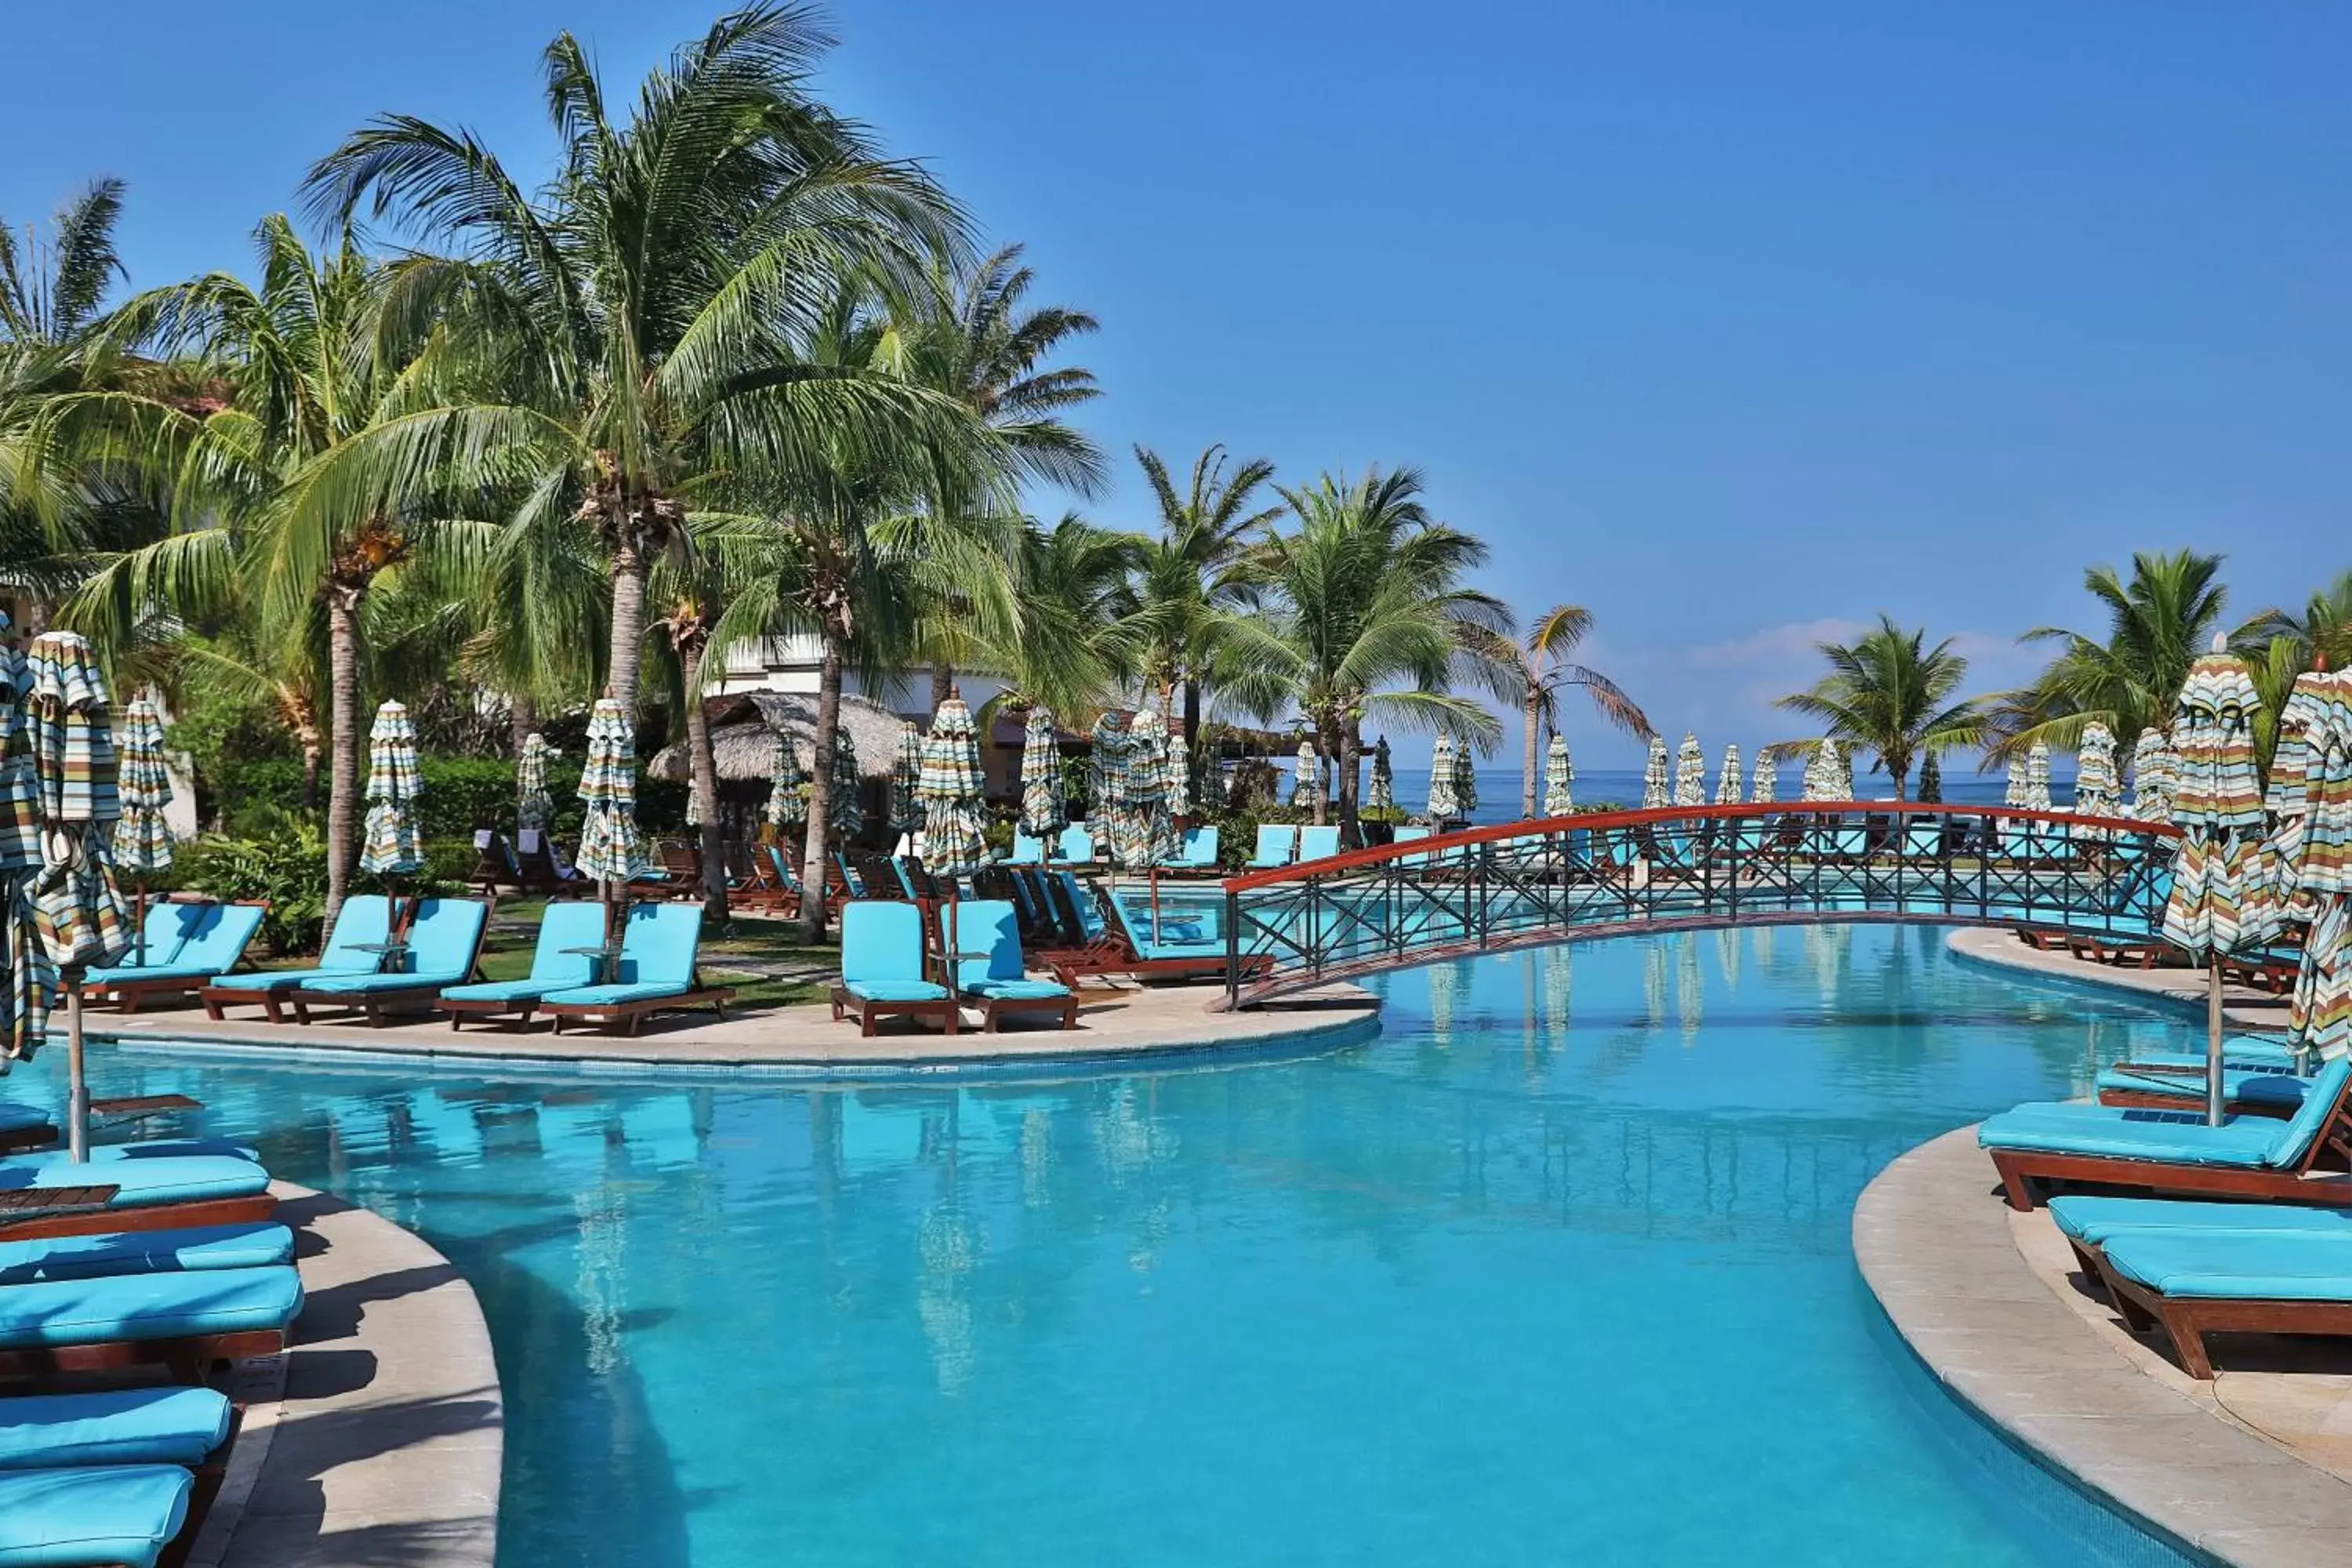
column 1889, row 691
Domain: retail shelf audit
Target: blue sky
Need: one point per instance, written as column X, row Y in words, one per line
column 1737, row 324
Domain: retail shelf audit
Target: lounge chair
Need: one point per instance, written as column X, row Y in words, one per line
column 496, row 864
column 1200, row 851
column 2194, row 1283
column 185, row 1321
column 1319, row 843
column 183, row 1426
column 1278, row 845
column 2246, row 1156
column 444, row 945
column 659, row 972
column 198, row 1249
column 999, row 982
column 1410, row 833
column 1128, row 950
column 353, row 949
column 1026, row 850
column 47, row 1194
column 1075, row 846
column 882, row 968
column 188, row 947
column 2087, row 1220
column 554, row 966
column 2257, row 1093
column 96, row 1516
column 25, row 1126
column 545, row 869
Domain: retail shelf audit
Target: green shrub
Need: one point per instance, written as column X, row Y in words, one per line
column 461, row 794
column 288, row 868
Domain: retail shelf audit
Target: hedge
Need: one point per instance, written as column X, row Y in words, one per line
column 461, row 794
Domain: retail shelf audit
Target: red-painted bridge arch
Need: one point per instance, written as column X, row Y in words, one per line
column 1569, row 879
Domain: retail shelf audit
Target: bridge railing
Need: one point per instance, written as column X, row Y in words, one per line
column 1613, row 873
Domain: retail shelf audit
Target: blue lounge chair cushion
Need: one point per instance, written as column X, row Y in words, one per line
column 182, row 1179
column 2091, row 1219
column 443, row 942
column 1318, row 843
column 989, row 927
column 2270, row 1090
column 363, row 921
column 114, row 1427
column 881, row 943
column 1077, row 843
column 1026, row 851
column 210, row 939
column 140, row 1307
column 131, row 973
column 1017, row 990
column 659, row 943
column 2243, row 1142
column 2269, row 1266
column 524, row 990
column 895, row 990
column 257, row 1245
column 119, row 1515
column 1201, row 847
column 166, row 1148
column 14, row 1118
column 614, row 996
column 1275, row 845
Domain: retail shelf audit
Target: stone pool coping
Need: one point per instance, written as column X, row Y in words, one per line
column 378, row 1438
column 2176, row 989
column 1935, row 1243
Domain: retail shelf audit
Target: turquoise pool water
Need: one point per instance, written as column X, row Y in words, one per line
column 1556, row 1272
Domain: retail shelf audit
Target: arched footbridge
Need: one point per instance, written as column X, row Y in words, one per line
column 1570, row 878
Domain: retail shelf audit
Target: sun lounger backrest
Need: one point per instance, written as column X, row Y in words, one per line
column 567, row 926
column 1318, row 843
column 659, row 944
column 1026, row 850
column 164, row 933
column 2322, row 1103
column 366, row 918
column 1077, row 843
column 1275, row 843
column 445, row 936
column 1081, row 906
column 782, row 864
column 1200, row 845
column 220, row 937
column 881, row 940
column 984, row 925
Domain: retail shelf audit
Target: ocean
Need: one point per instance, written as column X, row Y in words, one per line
column 1498, row 788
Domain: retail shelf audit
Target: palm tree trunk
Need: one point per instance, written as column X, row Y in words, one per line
column 343, row 743
column 828, row 719
column 1352, row 746
column 522, row 718
column 702, row 767
column 1532, row 712
column 628, row 622
column 1193, row 736
column 943, row 684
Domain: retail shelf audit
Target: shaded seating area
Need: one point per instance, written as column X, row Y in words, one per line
column 655, row 970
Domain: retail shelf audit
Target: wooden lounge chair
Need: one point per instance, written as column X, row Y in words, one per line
column 187, row 945
column 1075, row 846
column 544, row 869
column 186, row 1321
column 657, row 972
column 2088, row 1220
column 496, row 864
column 130, row 1461
column 2247, row 1156
column 2192, row 1283
column 555, row 965
column 1199, row 854
column 2043, row 941
column 997, row 982
column 882, row 968
column 2278, row 1095
column 25, row 1126
column 351, row 950
column 1149, row 956
column 445, row 947
column 46, row 1194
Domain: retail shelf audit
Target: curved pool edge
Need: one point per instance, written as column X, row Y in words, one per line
column 1996, row 949
column 380, row 1436
column 1932, row 1241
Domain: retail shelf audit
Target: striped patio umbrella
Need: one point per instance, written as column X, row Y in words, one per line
column 2215, row 909
column 906, row 775
column 1179, row 774
column 1690, row 771
column 2155, row 775
column 1931, row 780
column 1828, row 775
column 1306, row 779
column 1152, row 774
column 1113, row 786
column 143, row 843
column 955, row 839
column 534, row 807
column 1043, row 812
column 1559, row 778
column 1380, row 791
column 787, row 786
column 78, row 910
column 2037, row 777
column 1444, row 806
column 2314, row 862
column 2015, row 789
column 845, row 811
column 609, row 848
column 31, row 983
column 393, row 845
column 2098, row 790
column 1839, row 770
column 1465, row 781
column 1764, row 785
column 1727, row 787
column 1655, row 788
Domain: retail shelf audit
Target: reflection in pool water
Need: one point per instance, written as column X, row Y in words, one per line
column 1556, row 1272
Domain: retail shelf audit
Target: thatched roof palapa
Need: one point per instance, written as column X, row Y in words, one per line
column 743, row 728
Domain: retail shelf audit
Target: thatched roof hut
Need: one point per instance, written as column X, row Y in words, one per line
column 744, row 730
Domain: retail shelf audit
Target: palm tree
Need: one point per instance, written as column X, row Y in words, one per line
column 1186, row 575
column 1362, row 614
column 2127, row 676
column 2322, row 630
column 641, row 323
column 1080, row 635
column 1538, row 667
column 687, row 628
column 1889, row 691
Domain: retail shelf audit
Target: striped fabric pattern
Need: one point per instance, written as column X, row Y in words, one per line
column 1154, row 777
column 2098, row 789
column 787, row 786
column 907, row 796
column 534, row 807
column 1727, row 783
column 1559, row 778
column 847, row 814
column 143, row 843
column 1307, row 778
column 77, row 909
column 391, row 844
column 609, row 848
column 1690, row 771
column 954, row 838
column 1656, row 789
column 1042, row 811
column 1444, row 806
column 1380, row 790
column 1764, row 786
column 2220, row 900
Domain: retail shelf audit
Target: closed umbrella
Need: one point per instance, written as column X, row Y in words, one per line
column 1042, row 812
column 1465, row 781
column 608, row 786
column 1827, row 775
column 845, row 811
column 1655, row 788
column 78, row 910
column 1443, row 804
column 1931, row 780
column 787, row 786
column 948, row 792
column 2155, row 774
column 391, row 845
column 2015, row 789
column 2098, row 790
column 142, row 843
column 30, row 984
column 907, row 798
column 1307, row 782
column 1175, row 771
column 1380, row 791
column 1764, row 788
column 534, row 807
column 1559, row 778
column 1727, row 785
column 2316, row 875
column 2037, row 777
column 1155, row 773
column 1116, row 791
column 2218, row 809
column 1690, row 771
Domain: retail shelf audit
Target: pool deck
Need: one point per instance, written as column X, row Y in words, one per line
column 1113, row 1025
column 379, row 1438
column 2178, row 989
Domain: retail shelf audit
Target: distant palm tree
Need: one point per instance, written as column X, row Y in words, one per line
column 1889, row 691
column 1080, row 636
column 2322, row 629
column 1537, row 668
column 2128, row 676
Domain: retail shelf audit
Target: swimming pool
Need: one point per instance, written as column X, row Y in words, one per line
column 1557, row 1270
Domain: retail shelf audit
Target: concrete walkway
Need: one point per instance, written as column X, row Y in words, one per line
column 2243, row 1006
column 379, row 1439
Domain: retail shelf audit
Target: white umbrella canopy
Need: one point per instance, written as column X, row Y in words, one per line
column 1655, row 788
column 1764, row 788
column 2037, row 777
column 1380, row 791
column 1690, row 771
column 1727, row 784
column 787, row 786
column 1307, row 781
column 1444, row 803
column 1559, row 778
column 1042, row 812
column 534, row 807
column 2098, row 790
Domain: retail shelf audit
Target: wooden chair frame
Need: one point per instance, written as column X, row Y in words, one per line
column 2026, row 1174
column 2186, row 1320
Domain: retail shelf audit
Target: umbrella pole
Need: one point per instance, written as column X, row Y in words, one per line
column 2213, row 1085
column 139, row 920
column 77, row 1075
